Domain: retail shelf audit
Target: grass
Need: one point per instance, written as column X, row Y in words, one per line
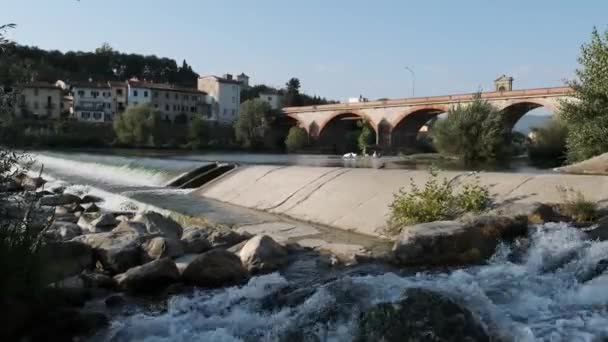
column 575, row 206
column 436, row 201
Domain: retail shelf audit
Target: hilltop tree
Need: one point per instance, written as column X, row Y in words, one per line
column 296, row 139
column 587, row 118
column 292, row 93
column 253, row 123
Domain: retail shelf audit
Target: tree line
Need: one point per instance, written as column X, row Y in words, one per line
column 292, row 97
column 21, row 62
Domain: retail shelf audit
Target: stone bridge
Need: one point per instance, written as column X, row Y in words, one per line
column 397, row 122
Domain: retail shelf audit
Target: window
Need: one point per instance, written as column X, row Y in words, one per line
column 156, row 105
column 176, row 97
column 193, row 109
column 85, row 115
column 269, row 99
column 233, row 112
column 108, row 105
column 145, row 93
column 134, row 92
column 81, row 93
column 94, row 93
column 107, row 117
column 36, row 91
column 185, row 97
column 225, row 111
column 233, row 99
column 167, row 95
column 155, row 94
column 119, row 92
column 174, row 107
column 167, row 107
column 96, row 115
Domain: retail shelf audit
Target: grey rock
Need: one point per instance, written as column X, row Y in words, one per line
column 195, row 240
column 215, row 268
column 105, row 221
column 162, row 247
column 116, row 251
column 422, row 315
column 149, row 276
column 66, row 259
column 91, row 199
column 62, row 231
column 63, row 199
column 445, row 243
column 158, row 224
column 131, row 227
column 226, row 238
column 262, row 254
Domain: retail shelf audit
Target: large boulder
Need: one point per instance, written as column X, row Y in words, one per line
column 158, row 224
column 62, row 231
column 117, row 251
column 262, row 254
column 226, row 238
column 422, row 315
column 91, row 199
column 152, row 275
column 65, row 259
column 195, row 240
column 131, row 227
column 215, row 268
column 104, row 222
column 162, row 247
column 445, row 243
column 61, row 199
column 536, row 212
column 599, row 231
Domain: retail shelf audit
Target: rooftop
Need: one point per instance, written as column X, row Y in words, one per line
column 221, row 79
column 96, row 85
column 46, row 85
column 164, row 86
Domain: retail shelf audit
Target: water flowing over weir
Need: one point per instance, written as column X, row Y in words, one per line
column 548, row 293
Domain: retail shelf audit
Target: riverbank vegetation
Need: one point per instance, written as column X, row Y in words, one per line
column 475, row 133
column 575, row 206
column 438, row 200
column 587, row 117
column 296, row 140
column 548, row 143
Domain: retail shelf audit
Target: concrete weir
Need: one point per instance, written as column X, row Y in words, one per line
column 358, row 199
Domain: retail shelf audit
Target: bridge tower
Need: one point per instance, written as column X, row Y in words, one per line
column 504, row 83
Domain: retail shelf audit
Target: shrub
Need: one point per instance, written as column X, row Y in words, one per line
column 137, row 125
column 196, row 133
column 436, row 201
column 296, row 139
column 367, row 137
column 475, row 133
column 548, row 142
column 587, row 118
column 253, row 123
column 575, row 206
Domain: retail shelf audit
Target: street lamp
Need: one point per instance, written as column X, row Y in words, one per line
column 413, row 80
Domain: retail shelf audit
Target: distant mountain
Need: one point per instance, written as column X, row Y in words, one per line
column 527, row 122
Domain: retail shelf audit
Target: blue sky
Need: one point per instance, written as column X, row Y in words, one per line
column 339, row 48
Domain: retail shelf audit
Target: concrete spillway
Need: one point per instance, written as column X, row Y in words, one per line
column 358, row 199
column 200, row 176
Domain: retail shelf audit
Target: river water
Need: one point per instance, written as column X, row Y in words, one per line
column 549, row 292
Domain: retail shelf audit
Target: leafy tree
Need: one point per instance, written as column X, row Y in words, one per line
column 549, row 142
column 296, row 139
column 136, row 125
column 587, row 118
column 292, row 93
column 196, row 133
column 474, row 132
column 367, row 137
column 253, row 123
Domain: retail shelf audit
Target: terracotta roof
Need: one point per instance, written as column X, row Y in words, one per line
column 42, row 85
column 164, row 86
column 118, row 83
column 96, row 85
column 221, row 79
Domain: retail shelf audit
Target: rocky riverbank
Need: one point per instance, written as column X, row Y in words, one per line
column 110, row 257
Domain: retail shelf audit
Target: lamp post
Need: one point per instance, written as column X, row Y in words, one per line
column 413, row 80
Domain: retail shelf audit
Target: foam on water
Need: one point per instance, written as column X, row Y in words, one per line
column 118, row 174
column 545, row 296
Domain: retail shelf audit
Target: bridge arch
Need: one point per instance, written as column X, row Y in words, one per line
column 515, row 110
column 407, row 125
column 338, row 133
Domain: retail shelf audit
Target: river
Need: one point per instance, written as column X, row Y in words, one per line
column 544, row 294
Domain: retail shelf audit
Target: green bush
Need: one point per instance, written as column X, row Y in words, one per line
column 436, row 201
column 296, row 139
column 575, row 206
column 196, row 133
column 587, row 117
column 367, row 137
column 253, row 123
column 475, row 133
column 137, row 125
column 549, row 142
